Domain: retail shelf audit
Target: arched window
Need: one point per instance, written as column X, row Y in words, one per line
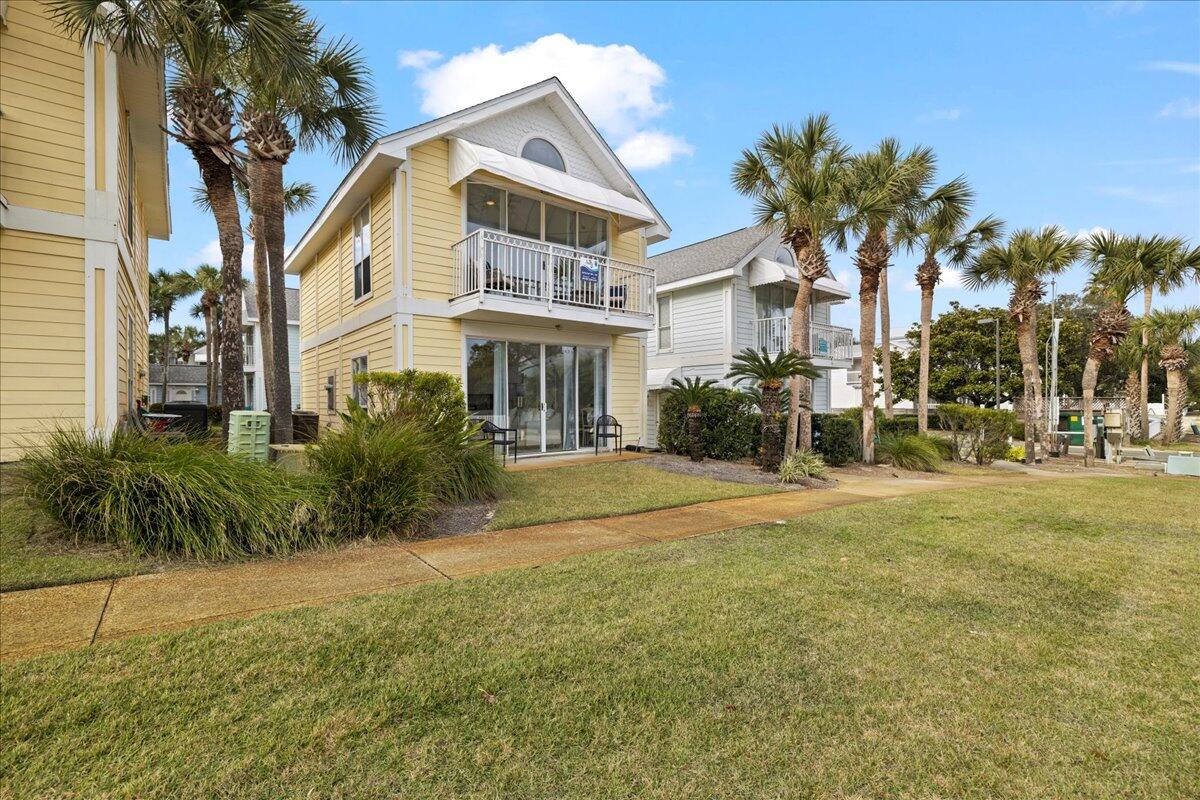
column 543, row 152
column 784, row 256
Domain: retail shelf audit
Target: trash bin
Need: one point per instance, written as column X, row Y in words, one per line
column 193, row 417
column 305, row 425
column 250, row 434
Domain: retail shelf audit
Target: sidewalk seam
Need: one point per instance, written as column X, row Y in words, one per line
column 103, row 610
column 426, row 563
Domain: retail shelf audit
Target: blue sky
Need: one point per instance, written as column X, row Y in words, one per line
column 1085, row 115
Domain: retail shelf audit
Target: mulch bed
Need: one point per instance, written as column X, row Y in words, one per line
column 731, row 471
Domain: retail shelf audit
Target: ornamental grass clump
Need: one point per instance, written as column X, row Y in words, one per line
column 167, row 498
column 803, row 464
column 912, row 452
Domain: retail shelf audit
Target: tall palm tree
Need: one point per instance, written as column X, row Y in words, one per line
column 885, row 184
column 208, row 281
column 1112, row 283
column 188, row 340
column 331, row 102
column 1129, row 358
column 938, row 227
column 1162, row 268
column 795, row 177
column 167, row 289
column 1022, row 264
column 768, row 376
column 1171, row 335
column 202, row 42
column 692, row 392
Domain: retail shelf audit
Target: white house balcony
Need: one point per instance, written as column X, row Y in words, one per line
column 502, row 277
column 829, row 345
column 248, row 355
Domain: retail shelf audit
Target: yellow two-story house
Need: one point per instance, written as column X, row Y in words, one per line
column 504, row 244
column 83, row 183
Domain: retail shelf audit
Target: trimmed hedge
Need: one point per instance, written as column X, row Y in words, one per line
column 729, row 422
column 836, row 438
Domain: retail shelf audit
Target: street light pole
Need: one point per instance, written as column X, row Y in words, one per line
column 995, row 321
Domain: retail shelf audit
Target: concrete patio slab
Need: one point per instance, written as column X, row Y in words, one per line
column 56, row 618
column 187, row 597
column 460, row 556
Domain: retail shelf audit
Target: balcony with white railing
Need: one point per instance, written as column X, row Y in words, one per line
column 499, row 275
column 828, row 342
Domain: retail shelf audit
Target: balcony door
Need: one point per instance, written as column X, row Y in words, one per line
column 550, row 394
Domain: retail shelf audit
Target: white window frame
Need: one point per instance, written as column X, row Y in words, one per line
column 542, row 200
column 360, row 243
column 358, row 365
column 566, row 166
column 669, row 327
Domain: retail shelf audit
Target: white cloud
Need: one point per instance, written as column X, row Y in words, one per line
column 210, row 253
column 1142, row 196
column 616, row 85
column 843, row 277
column 1185, row 67
column 650, row 149
column 951, row 279
column 1124, row 6
column 417, row 59
column 1183, row 108
column 1086, row 233
column 941, row 115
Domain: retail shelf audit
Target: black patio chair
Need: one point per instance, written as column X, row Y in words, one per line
column 503, row 438
column 607, row 427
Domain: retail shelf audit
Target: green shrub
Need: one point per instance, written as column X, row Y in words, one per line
column 1016, row 453
column 901, row 425
column 160, row 497
column 729, row 423
column 214, row 415
column 836, row 438
column 802, row 464
column 908, row 452
column 945, row 447
column 379, row 477
column 979, row 434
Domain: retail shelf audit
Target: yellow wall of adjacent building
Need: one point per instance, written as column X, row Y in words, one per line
column 628, row 389
column 437, row 344
column 41, row 97
column 437, row 221
column 42, row 325
column 375, row 341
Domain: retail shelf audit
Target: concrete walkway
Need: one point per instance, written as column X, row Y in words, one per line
column 58, row 618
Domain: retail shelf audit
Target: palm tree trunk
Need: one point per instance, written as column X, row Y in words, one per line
column 871, row 257
column 1147, row 300
column 166, row 350
column 923, row 377
column 1027, row 345
column 262, row 275
column 208, row 356
column 799, row 425
column 218, row 184
column 273, row 234
column 1091, row 370
column 769, row 450
column 885, row 341
column 1133, row 409
column 1176, row 386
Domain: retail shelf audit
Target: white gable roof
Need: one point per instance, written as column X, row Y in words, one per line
column 390, row 151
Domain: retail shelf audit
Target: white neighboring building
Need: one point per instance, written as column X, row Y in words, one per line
column 720, row 296
column 845, row 385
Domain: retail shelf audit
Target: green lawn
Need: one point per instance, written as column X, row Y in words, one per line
column 1032, row 641
column 606, row 490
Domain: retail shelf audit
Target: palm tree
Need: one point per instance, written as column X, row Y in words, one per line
column 330, row 102
column 188, row 340
column 1112, row 283
column 1171, row 335
column 167, row 289
column 203, row 42
column 796, row 179
column 768, row 376
column 692, row 392
column 938, row 227
column 208, row 281
column 1022, row 264
column 1129, row 358
column 885, row 184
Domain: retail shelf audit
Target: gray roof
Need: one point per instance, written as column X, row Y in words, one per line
column 181, row 374
column 711, row 255
column 250, row 308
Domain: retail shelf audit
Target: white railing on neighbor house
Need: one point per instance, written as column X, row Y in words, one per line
column 828, row 341
column 504, row 265
column 248, row 355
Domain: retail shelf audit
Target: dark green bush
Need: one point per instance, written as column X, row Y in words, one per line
column 900, row 425
column 836, row 437
column 978, row 434
column 729, row 422
column 214, row 415
column 167, row 497
column 155, row 408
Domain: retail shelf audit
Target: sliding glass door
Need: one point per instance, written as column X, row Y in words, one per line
column 550, row 393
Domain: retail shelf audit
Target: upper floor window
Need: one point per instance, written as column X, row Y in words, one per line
column 543, row 152
column 362, row 252
column 774, row 301
column 784, row 256
column 499, row 210
column 664, row 323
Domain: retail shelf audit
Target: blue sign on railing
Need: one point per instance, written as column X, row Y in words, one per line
column 589, row 271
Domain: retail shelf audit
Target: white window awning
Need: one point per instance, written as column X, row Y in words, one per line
column 763, row 271
column 468, row 158
column 660, row 378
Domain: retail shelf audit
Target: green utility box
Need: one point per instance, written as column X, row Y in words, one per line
column 250, row 434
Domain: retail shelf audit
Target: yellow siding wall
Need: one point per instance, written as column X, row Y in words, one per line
column 437, row 221
column 437, row 344
column 628, row 395
column 41, row 335
column 317, row 363
column 41, row 97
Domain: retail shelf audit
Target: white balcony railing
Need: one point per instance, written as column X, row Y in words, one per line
column 828, row 341
column 248, row 355
column 500, row 264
